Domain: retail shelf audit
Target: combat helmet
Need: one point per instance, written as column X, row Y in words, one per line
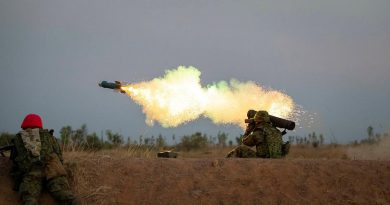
column 262, row 116
column 251, row 114
column 32, row 121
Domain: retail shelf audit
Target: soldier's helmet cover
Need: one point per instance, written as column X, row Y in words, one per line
column 251, row 113
column 262, row 116
column 32, row 121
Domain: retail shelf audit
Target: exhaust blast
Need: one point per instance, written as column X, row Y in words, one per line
column 178, row 97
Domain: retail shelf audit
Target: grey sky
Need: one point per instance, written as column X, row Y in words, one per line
column 331, row 57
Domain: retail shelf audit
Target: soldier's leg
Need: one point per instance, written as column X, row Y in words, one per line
column 261, row 144
column 274, row 144
column 262, row 150
column 60, row 190
column 285, row 148
column 31, row 186
column 242, row 151
column 231, row 153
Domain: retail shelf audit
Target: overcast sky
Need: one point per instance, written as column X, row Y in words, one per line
column 332, row 57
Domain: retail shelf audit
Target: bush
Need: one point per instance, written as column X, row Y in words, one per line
column 193, row 142
column 5, row 138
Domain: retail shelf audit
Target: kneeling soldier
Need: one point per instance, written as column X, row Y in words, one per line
column 259, row 133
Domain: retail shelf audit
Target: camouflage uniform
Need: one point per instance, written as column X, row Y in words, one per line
column 260, row 133
column 37, row 163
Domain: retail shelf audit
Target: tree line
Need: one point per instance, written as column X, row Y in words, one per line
column 80, row 139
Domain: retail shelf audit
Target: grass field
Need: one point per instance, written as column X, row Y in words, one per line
column 327, row 174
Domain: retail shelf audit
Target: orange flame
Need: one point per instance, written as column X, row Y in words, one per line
column 178, row 97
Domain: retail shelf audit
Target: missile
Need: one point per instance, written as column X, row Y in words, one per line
column 110, row 85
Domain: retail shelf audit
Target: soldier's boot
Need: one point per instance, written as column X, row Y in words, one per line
column 60, row 190
column 29, row 201
column 74, row 201
column 242, row 151
column 231, row 154
column 66, row 198
column 235, row 153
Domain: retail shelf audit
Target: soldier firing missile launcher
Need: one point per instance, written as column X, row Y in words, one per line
column 276, row 121
column 110, row 85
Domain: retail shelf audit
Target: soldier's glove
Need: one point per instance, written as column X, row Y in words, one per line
column 284, row 132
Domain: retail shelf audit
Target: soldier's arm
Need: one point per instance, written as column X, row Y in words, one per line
column 56, row 146
column 16, row 172
column 249, row 140
column 58, row 150
column 249, row 128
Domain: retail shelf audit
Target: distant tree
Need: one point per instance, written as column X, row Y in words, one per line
column 370, row 136
column 78, row 136
column 141, row 139
column 147, row 141
column 128, row 141
column 222, row 137
column 65, row 134
column 314, row 137
column 195, row 141
column 174, row 139
column 152, row 140
column 5, row 138
column 238, row 140
column 114, row 138
column 321, row 139
column 370, row 132
column 160, row 141
column 355, row 143
column 230, row 143
column 314, row 141
column 93, row 142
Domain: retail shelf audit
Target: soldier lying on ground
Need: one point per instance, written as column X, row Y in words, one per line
column 37, row 163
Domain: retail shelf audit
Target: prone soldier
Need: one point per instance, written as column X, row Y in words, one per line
column 38, row 163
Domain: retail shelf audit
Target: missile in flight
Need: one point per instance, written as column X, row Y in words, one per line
column 117, row 85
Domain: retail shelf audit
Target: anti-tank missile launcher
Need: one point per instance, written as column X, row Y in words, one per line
column 278, row 122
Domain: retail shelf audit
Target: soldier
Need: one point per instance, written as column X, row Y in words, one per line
column 37, row 163
column 259, row 133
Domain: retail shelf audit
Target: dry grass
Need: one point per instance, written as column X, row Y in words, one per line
column 83, row 177
column 321, row 152
column 300, row 152
column 136, row 176
column 84, row 168
column 209, row 152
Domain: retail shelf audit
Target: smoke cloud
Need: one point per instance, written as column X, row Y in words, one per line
column 377, row 151
column 178, row 97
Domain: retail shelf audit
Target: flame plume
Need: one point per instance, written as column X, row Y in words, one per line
column 178, row 97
